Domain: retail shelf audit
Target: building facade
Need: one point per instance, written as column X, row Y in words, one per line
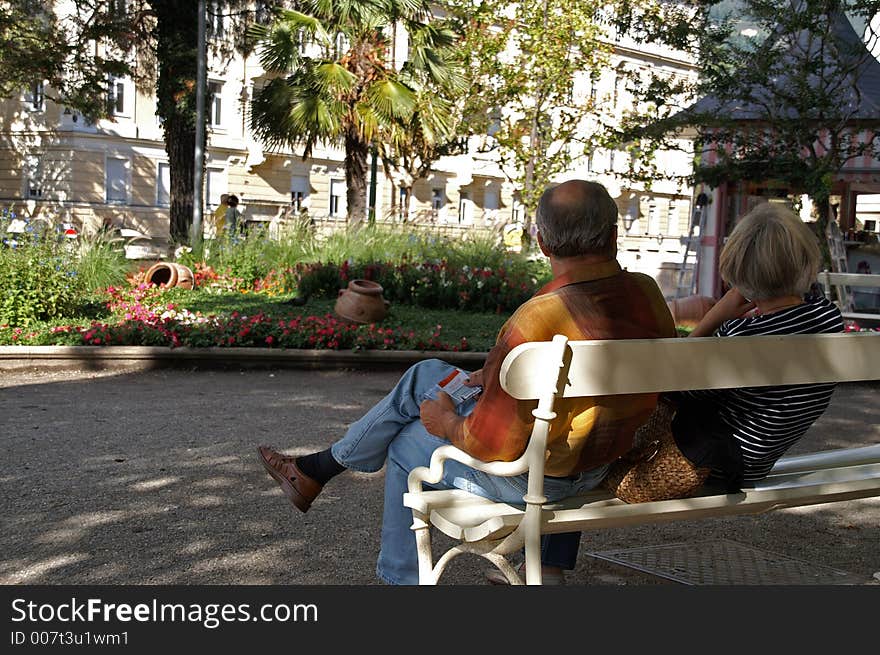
column 57, row 165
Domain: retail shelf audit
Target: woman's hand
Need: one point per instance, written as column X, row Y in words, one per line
column 732, row 305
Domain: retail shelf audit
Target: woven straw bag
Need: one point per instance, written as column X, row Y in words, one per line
column 655, row 469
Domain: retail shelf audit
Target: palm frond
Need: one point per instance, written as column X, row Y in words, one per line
column 333, row 78
column 391, row 100
column 368, row 123
column 317, row 116
column 281, row 41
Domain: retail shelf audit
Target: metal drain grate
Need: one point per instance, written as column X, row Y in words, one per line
column 724, row 562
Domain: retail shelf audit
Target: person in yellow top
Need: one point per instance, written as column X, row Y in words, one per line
column 216, row 221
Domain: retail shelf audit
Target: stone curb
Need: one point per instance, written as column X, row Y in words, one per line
column 152, row 357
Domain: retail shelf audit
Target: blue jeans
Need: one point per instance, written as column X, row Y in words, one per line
column 391, row 433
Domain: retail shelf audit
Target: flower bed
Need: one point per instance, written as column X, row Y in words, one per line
column 141, row 317
column 425, row 284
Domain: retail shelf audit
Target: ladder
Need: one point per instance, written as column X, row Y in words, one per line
column 692, row 244
column 839, row 264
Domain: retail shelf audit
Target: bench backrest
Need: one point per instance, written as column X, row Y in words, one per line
column 841, row 282
column 606, row 367
column 828, row 279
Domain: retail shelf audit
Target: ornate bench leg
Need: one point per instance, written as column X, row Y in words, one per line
column 531, row 524
column 422, row 531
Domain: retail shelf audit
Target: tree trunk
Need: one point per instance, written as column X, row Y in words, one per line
column 356, row 151
column 176, row 35
column 823, row 213
column 407, row 203
column 180, row 143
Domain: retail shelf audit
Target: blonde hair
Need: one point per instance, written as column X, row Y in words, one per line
column 771, row 253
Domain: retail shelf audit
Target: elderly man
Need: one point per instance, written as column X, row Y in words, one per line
column 589, row 297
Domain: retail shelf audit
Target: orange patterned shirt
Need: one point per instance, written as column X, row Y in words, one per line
column 597, row 301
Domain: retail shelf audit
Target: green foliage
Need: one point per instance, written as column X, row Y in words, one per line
column 350, row 93
column 44, row 276
column 249, row 258
column 35, row 45
column 37, row 283
column 255, row 257
column 531, row 65
column 786, row 105
column 99, row 263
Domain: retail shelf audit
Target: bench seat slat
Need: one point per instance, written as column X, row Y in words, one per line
column 470, row 518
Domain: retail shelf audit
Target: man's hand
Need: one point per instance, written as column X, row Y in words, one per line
column 438, row 415
column 475, row 379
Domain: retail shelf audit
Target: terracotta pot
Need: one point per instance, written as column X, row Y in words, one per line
column 170, row 274
column 361, row 302
column 185, row 278
column 688, row 311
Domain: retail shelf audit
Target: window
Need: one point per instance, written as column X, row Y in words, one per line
column 491, row 200
column 672, row 217
column 653, row 217
column 33, row 173
column 116, row 96
column 494, row 123
column 215, row 183
column 215, row 104
column 262, row 12
column 517, row 211
column 34, row 96
column 342, row 45
column 299, row 192
column 116, row 181
column 163, row 185
column 437, row 202
column 401, row 203
column 214, row 20
column 303, row 41
column 337, row 198
column 465, row 208
column 118, row 8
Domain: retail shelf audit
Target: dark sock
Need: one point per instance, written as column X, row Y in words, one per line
column 319, row 466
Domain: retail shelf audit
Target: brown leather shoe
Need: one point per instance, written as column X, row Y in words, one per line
column 299, row 488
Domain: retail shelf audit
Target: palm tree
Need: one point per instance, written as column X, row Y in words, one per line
column 351, row 92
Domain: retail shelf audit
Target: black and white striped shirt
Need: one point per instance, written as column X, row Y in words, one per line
column 753, row 427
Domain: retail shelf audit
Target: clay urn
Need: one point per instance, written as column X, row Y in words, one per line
column 361, row 302
column 170, row 274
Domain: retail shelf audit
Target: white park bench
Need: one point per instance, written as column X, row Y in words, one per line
column 841, row 283
column 544, row 371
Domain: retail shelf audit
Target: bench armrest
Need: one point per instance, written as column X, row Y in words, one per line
column 433, row 473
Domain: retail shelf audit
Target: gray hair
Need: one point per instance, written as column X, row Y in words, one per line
column 576, row 218
column 771, row 253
